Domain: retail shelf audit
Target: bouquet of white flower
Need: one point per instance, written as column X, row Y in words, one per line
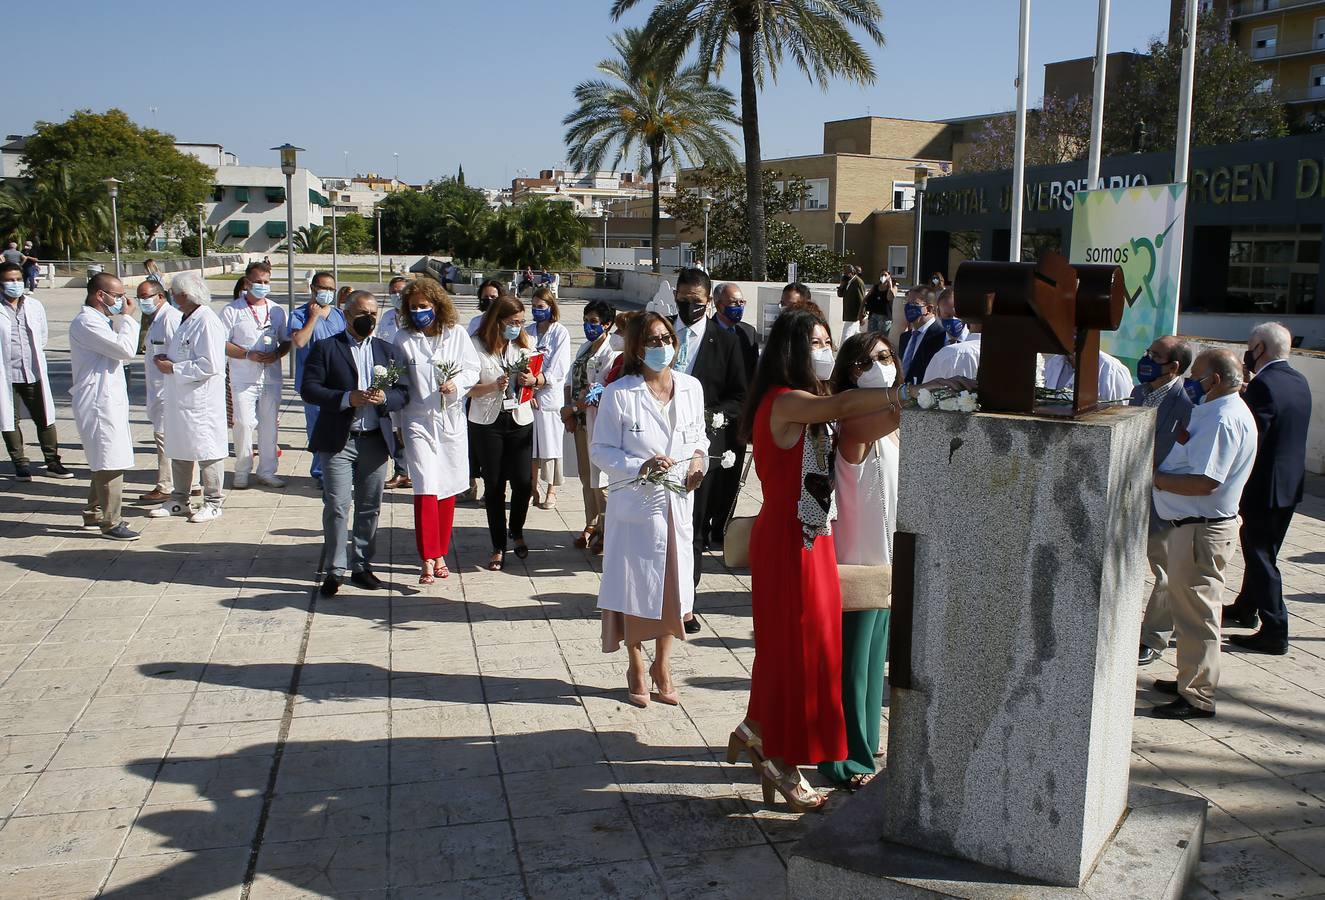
column 716, row 421
column 385, row 376
column 947, row 399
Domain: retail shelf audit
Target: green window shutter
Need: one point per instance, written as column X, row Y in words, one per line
column 275, row 229
column 241, row 194
column 275, row 194
column 237, row 228
column 218, row 193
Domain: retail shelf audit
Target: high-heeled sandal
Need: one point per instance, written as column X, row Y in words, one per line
column 596, row 546
column 669, row 697
column 583, row 539
column 636, row 699
column 550, row 499
column 521, row 549
column 440, row 570
column 857, row 782
column 497, row 561
column 426, row 576
column 793, row 787
column 743, row 740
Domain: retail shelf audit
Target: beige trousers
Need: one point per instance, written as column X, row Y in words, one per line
column 595, row 498
column 104, row 495
column 1157, row 626
column 1198, row 556
column 164, row 482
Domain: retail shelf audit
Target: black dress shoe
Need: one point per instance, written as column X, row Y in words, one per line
column 1181, row 709
column 1233, row 619
column 330, row 585
column 692, row 626
column 1258, row 643
column 367, row 580
column 1147, row 655
column 1166, row 686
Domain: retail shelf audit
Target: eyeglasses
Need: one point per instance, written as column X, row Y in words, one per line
column 883, row 357
column 658, row 340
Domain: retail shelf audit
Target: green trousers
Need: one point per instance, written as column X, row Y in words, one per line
column 864, row 652
column 35, row 403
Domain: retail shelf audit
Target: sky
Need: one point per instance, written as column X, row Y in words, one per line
column 481, row 83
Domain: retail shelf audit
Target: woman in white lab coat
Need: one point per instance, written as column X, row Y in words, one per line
column 443, row 366
column 194, row 404
column 102, row 338
column 552, row 340
column 650, row 426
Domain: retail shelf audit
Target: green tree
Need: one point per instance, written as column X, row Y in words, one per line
column 407, row 218
column 814, row 34
column 354, row 234
column 311, row 239
column 537, row 233
column 160, row 184
column 1057, row 132
column 61, row 218
column 652, row 107
column 468, row 222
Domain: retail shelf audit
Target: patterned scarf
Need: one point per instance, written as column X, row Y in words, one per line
column 817, row 507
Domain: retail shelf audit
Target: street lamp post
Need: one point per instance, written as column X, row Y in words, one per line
column 288, row 152
column 113, row 186
column 842, row 217
column 397, row 156
column 921, row 179
column 335, row 253
column 377, row 214
column 708, row 205
column 202, row 240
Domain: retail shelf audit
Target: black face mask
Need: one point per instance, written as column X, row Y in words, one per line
column 484, row 303
column 363, row 325
column 1249, row 360
column 690, row 311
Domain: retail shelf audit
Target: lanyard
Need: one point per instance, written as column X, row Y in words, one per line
column 261, row 323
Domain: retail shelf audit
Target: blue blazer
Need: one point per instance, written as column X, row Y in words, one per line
column 932, row 340
column 329, row 372
column 1280, row 401
column 1171, row 418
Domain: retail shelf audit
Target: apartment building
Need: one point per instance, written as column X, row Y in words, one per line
column 588, row 192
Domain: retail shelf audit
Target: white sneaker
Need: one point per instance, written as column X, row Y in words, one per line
column 270, row 481
column 240, row 482
column 205, row 513
column 169, row 508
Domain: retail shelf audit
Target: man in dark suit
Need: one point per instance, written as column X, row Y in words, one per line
column 1160, row 372
column 352, row 437
column 707, row 351
column 923, row 337
column 1280, row 401
column 730, row 305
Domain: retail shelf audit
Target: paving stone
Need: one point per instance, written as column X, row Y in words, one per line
column 199, row 825
column 79, row 790
column 452, row 854
column 75, row 879
column 578, row 839
column 314, row 815
column 64, row 837
column 86, row 749
column 209, row 874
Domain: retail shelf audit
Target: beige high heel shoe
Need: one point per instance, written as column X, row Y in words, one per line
column 744, row 740
column 640, row 698
column 670, row 697
column 793, row 787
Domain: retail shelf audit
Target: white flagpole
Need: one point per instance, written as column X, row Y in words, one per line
column 1097, row 104
column 1181, row 152
column 1019, row 142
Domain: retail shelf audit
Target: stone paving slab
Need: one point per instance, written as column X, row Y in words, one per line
column 182, row 717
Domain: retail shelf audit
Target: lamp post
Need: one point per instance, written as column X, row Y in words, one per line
column 842, row 217
column 202, row 240
column 377, row 214
column 921, row 180
column 607, row 206
column 335, row 257
column 708, row 205
column 288, row 152
column 397, row 156
column 113, row 186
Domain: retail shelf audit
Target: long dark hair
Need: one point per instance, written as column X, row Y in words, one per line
column 490, row 332
column 854, row 352
column 785, row 362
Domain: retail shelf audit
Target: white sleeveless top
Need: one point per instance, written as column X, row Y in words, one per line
column 867, row 506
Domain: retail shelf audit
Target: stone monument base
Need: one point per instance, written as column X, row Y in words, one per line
column 1152, row 855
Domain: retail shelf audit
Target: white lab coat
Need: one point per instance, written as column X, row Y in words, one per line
column 6, row 390
column 261, row 327
column 98, row 349
column 36, row 315
column 163, row 327
column 1115, row 382
column 549, row 431
column 433, row 424
column 388, row 324
column 195, row 392
column 630, row 429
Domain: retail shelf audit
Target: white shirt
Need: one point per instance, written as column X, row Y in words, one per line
column 361, row 351
column 23, row 344
column 1222, row 447
column 388, row 324
column 257, row 326
column 693, row 338
column 1115, row 381
column 960, row 360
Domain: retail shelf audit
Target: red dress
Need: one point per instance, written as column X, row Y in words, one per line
column 796, row 688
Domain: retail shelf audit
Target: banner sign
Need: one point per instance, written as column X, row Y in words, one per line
column 1139, row 229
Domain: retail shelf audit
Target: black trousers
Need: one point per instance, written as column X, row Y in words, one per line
column 703, row 497
column 726, row 485
column 1261, row 535
column 506, row 451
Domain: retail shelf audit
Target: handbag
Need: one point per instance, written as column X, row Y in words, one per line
column 736, row 536
column 865, row 587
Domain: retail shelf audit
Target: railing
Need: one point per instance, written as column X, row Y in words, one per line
column 77, row 268
column 1303, row 94
column 1256, row 7
column 1281, row 49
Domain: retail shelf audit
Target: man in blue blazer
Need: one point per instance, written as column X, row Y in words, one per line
column 924, row 336
column 1160, row 372
column 352, row 437
column 1280, row 401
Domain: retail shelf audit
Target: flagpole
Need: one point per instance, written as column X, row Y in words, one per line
column 1019, row 143
column 1097, row 102
column 1181, row 151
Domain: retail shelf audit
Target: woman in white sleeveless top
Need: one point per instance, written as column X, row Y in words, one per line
column 865, row 484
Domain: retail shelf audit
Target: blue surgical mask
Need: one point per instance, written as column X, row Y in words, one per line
column 1195, row 391
column 1147, row 370
column 511, row 332
column 422, row 318
column 593, row 330
column 13, row 289
column 394, row 300
column 734, row 312
column 259, row 291
column 117, row 307
column 148, row 306
column 659, row 358
column 325, row 298
column 542, row 313
column 913, row 312
column 954, row 327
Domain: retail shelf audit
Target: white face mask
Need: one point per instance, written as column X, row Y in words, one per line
column 617, row 342
column 878, row 376
column 823, row 363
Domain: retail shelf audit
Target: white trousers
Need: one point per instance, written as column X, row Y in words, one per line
column 255, row 410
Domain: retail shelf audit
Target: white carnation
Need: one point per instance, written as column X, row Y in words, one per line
column 719, row 420
column 925, row 399
column 966, row 402
column 379, row 371
column 729, row 459
column 949, row 404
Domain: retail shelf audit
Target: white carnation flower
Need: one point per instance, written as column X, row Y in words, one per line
column 948, row 404
column 966, row 402
column 925, row 399
column 379, row 371
column 729, row 459
column 719, row 420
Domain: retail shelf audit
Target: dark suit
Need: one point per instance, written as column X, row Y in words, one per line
column 727, row 482
column 353, row 462
column 932, row 340
column 1280, row 401
column 720, row 370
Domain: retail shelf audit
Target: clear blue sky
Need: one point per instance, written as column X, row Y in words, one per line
column 479, row 82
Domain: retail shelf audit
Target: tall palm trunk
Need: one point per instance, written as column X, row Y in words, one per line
column 655, row 170
column 754, row 177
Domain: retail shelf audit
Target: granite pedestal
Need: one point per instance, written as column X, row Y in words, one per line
column 1010, row 718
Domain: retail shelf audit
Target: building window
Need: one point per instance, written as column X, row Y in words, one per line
column 897, row 261
column 904, row 195
column 1316, row 82
column 218, row 194
column 1264, row 86
column 1318, row 34
column 816, row 193
column 1263, row 41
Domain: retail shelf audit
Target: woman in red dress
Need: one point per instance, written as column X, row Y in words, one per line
column 795, row 712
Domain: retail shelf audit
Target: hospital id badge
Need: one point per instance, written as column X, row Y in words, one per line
column 510, row 403
column 692, row 434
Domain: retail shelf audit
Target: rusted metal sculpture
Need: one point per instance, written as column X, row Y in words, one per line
column 1030, row 308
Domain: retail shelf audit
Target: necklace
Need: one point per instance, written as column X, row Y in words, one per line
column 666, row 394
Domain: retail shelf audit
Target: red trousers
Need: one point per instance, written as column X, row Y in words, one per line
column 432, row 525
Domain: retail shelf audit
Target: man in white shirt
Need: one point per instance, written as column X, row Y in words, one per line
column 1115, row 381
column 24, row 331
column 162, row 319
column 957, row 360
column 1197, row 489
column 256, row 340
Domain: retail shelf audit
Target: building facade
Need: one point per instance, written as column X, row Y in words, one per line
column 588, row 192
column 248, row 206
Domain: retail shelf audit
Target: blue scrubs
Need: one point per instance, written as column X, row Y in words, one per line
column 333, row 323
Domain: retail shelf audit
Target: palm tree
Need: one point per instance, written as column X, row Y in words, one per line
column 652, row 106
column 537, row 233
column 813, row 33
column 311, row 239
column 56, row 214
